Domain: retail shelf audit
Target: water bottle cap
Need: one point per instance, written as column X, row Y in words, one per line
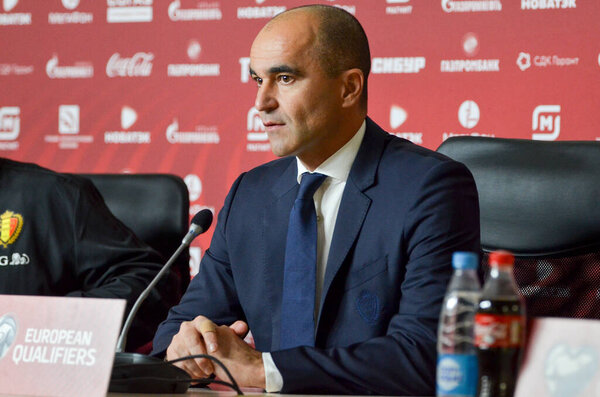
column 465, row 260
column 501, row 259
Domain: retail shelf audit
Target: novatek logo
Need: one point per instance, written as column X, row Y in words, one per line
column 128, row 117
column 259, row 12
column 11, row 225
column 397, row 117
column 470, row 45
column 546, row 118
column 68, row 119
column 8, row 333
column 547, row 4
column 123, row 11
column 403, row 7
column 468, row 114
column 139, row 65
column 471, row 5
column 80, row 70
column 397, row 65
column 8, row 5
column 17, row 18
column 204, row 11
column 193, row 69
column 544, row 61
column 62, row 18
column 258, row 140
column 203, row 134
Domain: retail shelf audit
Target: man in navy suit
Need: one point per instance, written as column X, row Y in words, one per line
column 389, row 216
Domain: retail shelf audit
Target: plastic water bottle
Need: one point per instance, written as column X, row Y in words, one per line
column 457, row 367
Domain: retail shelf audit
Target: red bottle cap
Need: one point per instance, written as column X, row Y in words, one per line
column 501, row 259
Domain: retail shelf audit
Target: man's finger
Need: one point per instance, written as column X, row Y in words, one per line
column 189, row 342
column 240, row 328
column 208, row 329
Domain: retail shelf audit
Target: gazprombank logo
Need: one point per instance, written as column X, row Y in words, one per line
column 8, row 333
column 11, row 224
column 470, row 46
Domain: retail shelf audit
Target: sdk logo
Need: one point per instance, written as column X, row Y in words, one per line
column 8, row 333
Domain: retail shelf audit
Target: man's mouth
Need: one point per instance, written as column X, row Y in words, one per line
column 272, row 125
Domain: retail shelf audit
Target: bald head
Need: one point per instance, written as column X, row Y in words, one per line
column 339, row 44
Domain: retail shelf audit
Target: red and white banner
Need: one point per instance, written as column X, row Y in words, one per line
column 162, row 86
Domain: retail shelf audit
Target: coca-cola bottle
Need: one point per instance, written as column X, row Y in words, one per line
column 457, row 358
column 499, row 329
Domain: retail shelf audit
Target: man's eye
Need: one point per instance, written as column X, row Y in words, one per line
column 258, row 80
column 285, row 79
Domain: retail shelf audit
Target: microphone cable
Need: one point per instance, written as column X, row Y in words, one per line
column 206, row 381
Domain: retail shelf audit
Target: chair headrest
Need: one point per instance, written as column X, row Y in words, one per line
column 536, row 198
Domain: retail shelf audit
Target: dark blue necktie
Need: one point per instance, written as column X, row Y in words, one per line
column 300, row 269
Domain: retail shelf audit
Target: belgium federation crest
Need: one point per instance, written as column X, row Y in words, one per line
column 10, row 227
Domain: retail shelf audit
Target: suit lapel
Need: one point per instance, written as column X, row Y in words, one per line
column 355, row 203
column 275, row 219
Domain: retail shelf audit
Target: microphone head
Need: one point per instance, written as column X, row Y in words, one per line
column 203, row 219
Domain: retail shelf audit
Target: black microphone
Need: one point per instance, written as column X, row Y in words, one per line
column 137, row 373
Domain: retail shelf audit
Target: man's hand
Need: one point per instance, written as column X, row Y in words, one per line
column 193, row 338
column 244, row 362
column 202, row 336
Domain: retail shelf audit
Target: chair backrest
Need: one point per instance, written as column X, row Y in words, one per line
column 154, row 206
column 540, row 200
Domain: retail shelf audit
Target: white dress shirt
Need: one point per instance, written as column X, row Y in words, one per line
column 327, row 200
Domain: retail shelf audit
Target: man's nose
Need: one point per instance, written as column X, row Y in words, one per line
column 265, row 99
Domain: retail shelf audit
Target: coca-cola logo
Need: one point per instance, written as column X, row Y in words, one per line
column 139, row 65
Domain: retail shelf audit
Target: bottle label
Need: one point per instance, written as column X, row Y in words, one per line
column 457, row 374
column 493, row 330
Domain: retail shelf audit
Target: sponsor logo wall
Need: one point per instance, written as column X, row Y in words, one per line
column 163, row 86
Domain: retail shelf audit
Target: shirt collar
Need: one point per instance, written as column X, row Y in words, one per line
column 338, row 165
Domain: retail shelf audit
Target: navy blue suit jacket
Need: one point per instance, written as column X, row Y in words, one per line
column 404, row 211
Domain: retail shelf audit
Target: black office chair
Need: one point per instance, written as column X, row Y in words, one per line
column 155, row 207
column 540, row 200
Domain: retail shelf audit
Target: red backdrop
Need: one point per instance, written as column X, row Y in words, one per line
column 162, row 85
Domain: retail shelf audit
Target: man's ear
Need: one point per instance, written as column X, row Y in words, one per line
column 352, row 87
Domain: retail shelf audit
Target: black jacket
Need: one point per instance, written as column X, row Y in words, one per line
column 57, row 237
